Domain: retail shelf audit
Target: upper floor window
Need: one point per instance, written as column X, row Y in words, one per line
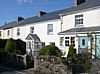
column 31, row 29
column 78, row 20
column 8, row 32
column 0, row 33
column 18, row 31
column 50, row 29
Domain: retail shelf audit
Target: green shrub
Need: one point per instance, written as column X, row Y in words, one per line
column 3, row 43
column 2, row 50
column 71, row 51
column 50, row 50
column 10, row 46
column 20, row 46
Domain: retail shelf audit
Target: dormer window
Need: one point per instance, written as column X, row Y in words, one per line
column 78, row 20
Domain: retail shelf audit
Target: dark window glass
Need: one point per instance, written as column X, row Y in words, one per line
column 83, row 42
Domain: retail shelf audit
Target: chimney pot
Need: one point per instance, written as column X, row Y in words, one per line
column 78, row 2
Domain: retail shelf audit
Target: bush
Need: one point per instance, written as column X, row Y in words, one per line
column 71, row 51
column 81, row 62
column 10, row 46
column 20, row 46
column 50, row 50
column 3, row 43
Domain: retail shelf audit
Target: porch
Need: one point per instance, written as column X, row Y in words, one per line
column 33, row 44
column 83, row 38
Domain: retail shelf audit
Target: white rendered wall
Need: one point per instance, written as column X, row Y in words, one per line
column 90, row 18
column 40, row 29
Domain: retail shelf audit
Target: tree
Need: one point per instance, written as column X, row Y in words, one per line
column 50, row 50
column 71, row 51
column 10, row 46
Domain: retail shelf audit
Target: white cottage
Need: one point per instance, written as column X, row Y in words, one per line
column 60, row 28
column 84, row 20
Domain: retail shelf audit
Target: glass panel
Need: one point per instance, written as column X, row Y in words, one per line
column 78, row 20
column 32, row 30
column 61, row 41
column 83, row 42
column 18, row 31
column 50, row 28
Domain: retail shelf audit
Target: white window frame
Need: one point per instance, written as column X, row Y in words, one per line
column 8, row 32
column 52, row 43
column 0, row 33
column 79, row 20
column 43, row 44
column 50, row 29
column 61, row 41
column 18, row 31
column 72, row 40
column 32, row 29
column 67, row 41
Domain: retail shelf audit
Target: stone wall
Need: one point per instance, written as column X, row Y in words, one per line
column 18, row 61
column 46, row 67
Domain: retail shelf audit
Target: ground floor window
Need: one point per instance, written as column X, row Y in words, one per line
column 36, row 45
column 73, row 41
column 43, row 44
column 28, row 45
column 52, row 43
column 61, row 41
column 67, row 41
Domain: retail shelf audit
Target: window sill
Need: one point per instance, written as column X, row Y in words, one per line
column 49, row 33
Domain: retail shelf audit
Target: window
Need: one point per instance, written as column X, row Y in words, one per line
column 31, row 29
column 43, row 44
column 61, row 41
column 29, row 45
column 18, row 31
column 83, row 42
column 66, row 41
column 50, row 29
column 73, row 41
column 78, row 20
column 36, row 45
column 8, row 32
column 0, row 33
column 52, row 43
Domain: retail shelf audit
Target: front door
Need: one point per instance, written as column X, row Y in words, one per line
column 98, row 46
column 83, row 43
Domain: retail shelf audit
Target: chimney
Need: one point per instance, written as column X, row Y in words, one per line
column 19, row 18
column 78, row 2
column 41, row 13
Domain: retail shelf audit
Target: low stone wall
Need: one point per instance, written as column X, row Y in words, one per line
column 95, row 67
column 46, row 67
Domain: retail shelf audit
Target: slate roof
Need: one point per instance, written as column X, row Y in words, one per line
column 34, row 37
column 80, row 30
column 54, row 15
column 9, row 25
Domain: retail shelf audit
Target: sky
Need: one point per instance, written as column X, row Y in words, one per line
column 11, row 9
